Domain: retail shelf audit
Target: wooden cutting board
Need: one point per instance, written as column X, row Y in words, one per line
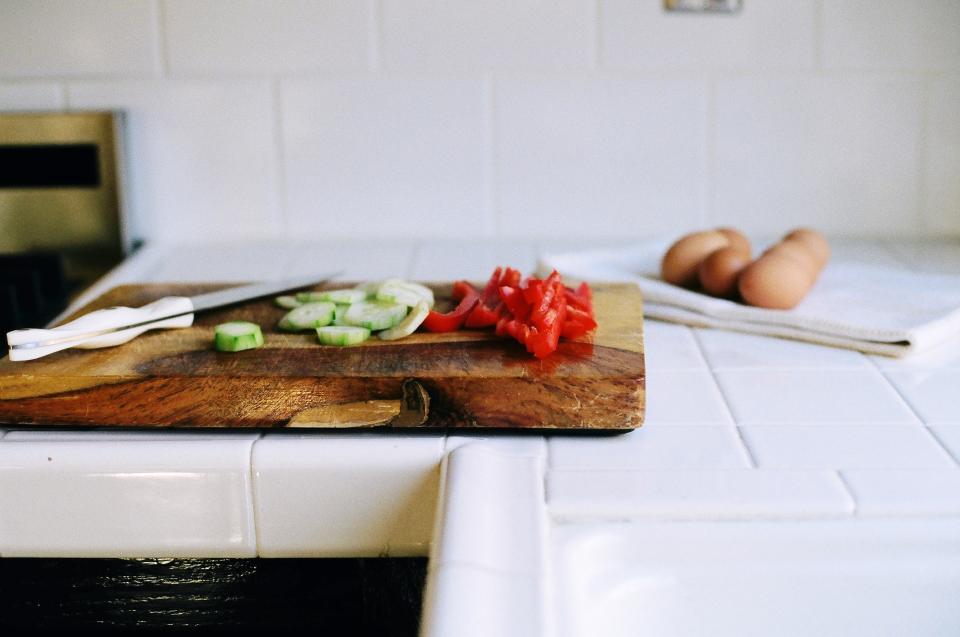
column 464, row 379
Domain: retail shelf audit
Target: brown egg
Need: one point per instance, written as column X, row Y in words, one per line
column 680, row 263
column 738, row 240
column 774, row 281
column 815, row 241
column 718, row 272
column 800, row 252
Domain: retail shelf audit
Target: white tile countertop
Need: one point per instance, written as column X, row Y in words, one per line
column 766, row 471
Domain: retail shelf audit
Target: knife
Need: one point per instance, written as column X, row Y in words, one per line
column 116, row 325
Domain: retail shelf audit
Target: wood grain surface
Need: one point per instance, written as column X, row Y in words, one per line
column 471, row 378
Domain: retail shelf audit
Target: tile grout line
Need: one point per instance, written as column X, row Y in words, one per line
column 726, row 404
column 923, row 424
column 849, row 490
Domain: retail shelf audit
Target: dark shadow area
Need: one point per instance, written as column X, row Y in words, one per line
column 343, row 596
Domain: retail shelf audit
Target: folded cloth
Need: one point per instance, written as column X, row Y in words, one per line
column 870, row 308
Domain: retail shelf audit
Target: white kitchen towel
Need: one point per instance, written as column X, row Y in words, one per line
column 876, row 309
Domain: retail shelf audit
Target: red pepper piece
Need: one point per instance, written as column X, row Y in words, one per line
column 513, row 299
column 483, row 316
column 453, row 320
column 511, row 278
column 490, row 295
column 461, row 289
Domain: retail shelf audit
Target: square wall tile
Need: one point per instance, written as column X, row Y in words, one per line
column 775, row 396
column 774, row 34
column 941, row 209
column 905, row 492
column 933, row 394
column 239, row 261
column 126, row 497
column 653, row 447
column 669, row 346
column 684, row 397
column 345, row 495
column 698, row 494
column 733, row 350
column 836, row 153
column 599, row 157
column 253, row 36
column 202, row 156
column 383, row 157
column 845, row 447
column 420, row 35
column 863, row 34
column 30, row 96
column 48, row 38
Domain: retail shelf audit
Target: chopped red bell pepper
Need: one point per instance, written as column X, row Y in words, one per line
column 461, row 289
column 513, row 299
column 454, row 319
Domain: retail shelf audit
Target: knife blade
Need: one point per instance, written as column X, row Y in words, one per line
column 116, row 325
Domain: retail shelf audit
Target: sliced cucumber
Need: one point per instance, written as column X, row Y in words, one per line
column 287, row 302
column 308, row 316
column 342, row 335
column 405, row 292
column 370, row 289
column 375, row 315
column 339, row 313
column 310, row 297
column 237, row 336
column 408, row 326
column 343, row 296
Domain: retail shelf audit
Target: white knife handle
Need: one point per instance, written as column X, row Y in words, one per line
column 72, row 334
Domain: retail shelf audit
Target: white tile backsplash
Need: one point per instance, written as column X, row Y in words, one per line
column 836, row 153
column 30, row 96
column 49, row 38
column 768, row 34
column 599, row 157
column 423, row 35
column 864, row 34
column 202, row 156
column 563, row 120
column 383, row 157
column 254, row 36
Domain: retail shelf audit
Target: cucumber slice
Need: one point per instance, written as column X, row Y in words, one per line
column 370, row 289
column 342, row 335
column 339, row 313
column 237, row 336
column 407, row 326
column 345, row 297
column 375, row 315
column 404, row 292
column 287, row 302
column 308, row 316
column 310, row 297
